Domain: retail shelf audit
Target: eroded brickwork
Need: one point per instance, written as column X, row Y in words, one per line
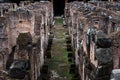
column 24, row 35
column 90, row 26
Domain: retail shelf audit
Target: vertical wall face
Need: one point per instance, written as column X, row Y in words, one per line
column 19, row 21
column 6, row 7
column 3, row 42
column 93, row 61
column 38, row 20
column 25, row 31
column 3, row 33
column 116, row 49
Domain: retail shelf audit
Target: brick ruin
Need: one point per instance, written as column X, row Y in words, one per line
column 93, row 27
column 94, row 31
column 24, row 35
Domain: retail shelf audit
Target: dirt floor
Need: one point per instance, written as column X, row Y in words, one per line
column 58, row 64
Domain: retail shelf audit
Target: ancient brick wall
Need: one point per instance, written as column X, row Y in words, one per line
column 19, row 21
column 3, row 43
column 31, row 19
column 116, row 50
column 93, row 17
column 6, row 7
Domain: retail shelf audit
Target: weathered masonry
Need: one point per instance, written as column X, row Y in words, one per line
column 93, row 27
column 58, row 5
column 94, row 31
column 24, row 38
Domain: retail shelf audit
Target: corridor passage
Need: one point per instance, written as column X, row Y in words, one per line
column 59, row 64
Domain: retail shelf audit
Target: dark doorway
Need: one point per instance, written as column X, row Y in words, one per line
column 58, row 7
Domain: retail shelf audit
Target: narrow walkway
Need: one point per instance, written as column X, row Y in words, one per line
column 58, row 64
